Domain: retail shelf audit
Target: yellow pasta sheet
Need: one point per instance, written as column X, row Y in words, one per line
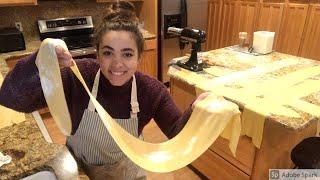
column 279, row 96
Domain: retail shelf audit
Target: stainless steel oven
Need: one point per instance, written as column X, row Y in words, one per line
column 77, row 32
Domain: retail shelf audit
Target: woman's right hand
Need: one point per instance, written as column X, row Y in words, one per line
column 64, row 57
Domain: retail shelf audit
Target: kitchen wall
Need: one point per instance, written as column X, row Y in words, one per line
column 29, row 15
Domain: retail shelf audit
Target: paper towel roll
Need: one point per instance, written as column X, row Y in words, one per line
column 263, row 41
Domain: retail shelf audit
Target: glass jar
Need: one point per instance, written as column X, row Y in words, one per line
column 242, row 39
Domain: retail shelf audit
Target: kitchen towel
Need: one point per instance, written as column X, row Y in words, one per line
column 208, row 120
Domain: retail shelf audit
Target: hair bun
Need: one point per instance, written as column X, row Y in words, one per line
column 121, row 11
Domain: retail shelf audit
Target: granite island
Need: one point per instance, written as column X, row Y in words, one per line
column 281, row 90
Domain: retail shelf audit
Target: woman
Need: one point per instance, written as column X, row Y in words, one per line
column 112, row 78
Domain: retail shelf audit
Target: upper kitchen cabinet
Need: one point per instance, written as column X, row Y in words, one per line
column 247, row 18
column 269, row 18
column 226, row 18
column 17, row 2
column 295, row 23
column 214, row 24
column 230, row 23
column 311, row 40
column 291, row 29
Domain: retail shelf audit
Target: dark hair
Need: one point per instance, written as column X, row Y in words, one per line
column 120, row 16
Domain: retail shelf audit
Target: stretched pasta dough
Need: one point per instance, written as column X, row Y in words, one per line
column 51, row 83
column 207, row 122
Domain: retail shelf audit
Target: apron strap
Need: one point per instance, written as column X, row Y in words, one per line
column 134, row 99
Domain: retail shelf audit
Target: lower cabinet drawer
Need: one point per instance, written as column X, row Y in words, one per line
column 213, row 166
column 244, row 155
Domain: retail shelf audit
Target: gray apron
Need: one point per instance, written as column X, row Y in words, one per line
column 93, row 145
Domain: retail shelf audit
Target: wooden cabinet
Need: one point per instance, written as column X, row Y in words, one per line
column 214, row 24
column 230, row 23
column 295, row 23
column 269, row 19
column 214, row 166
column 149, row 63
column 115, row 0
column 217, row 162
column 17, row 2
column 247, row 18
column 291, row 29
column 226, row 18
column 311, row 41
column 250, row 162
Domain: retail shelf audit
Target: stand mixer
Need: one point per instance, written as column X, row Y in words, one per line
column 196, row 37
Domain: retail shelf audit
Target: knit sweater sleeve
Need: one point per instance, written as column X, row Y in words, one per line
column 168, row 117
column 21, row 89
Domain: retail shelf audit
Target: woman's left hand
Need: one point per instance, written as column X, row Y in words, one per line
column 200, row 98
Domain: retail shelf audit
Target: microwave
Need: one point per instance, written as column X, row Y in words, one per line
column 11, row 39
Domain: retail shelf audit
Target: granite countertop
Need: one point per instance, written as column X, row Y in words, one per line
column 31, row 153
column 225, row 63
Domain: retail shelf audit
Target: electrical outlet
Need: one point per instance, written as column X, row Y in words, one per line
column 19, row 26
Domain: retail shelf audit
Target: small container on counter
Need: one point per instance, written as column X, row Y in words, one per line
column 263, row 41
column 242, row 39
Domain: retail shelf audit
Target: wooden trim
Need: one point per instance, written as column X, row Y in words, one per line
column 214, row 24
column 269, row 18
column 290, row 34
column 244, row 155
column 149, row 15
column 314, row 1
column 17, row 2
column 101, row 1
column 214, row 166
column 150, row 44
column 182, row 93
column 311, row 35
column 276, row 146
column 273, row 1
column 298, row 1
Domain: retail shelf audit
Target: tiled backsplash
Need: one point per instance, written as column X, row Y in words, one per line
column 29, row 15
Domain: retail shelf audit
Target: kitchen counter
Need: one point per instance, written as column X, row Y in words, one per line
column 31, row 153
column 226, row 62
column 253, row 81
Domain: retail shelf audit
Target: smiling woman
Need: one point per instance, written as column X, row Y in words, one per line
column 119, row 43
column 118, row 57
column 131, row 98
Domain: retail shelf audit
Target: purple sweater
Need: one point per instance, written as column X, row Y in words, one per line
column 21, row 91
